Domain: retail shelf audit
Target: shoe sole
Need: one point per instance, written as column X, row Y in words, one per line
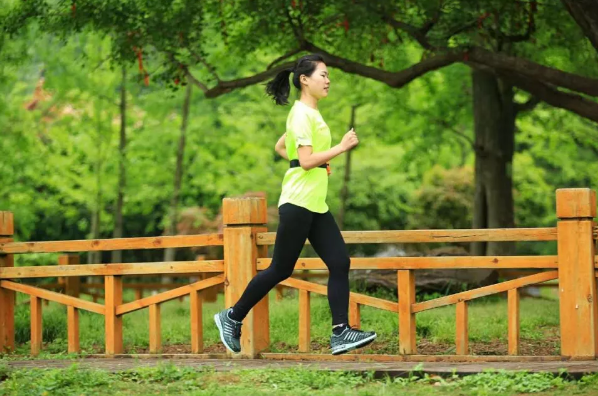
column 355, row 345
column 221, row 331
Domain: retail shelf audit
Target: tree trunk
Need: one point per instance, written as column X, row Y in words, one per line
column 347, row 178
column 118, row 213
column 169, row 254
column 95, row 257
column 494, row 123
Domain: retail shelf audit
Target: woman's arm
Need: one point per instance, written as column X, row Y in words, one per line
column 309, row 160
column 281, row 148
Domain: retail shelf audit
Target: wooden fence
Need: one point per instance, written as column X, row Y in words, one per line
column 245, row 241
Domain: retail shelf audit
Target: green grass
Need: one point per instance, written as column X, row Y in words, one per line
column 168, row 379
column 487, row 323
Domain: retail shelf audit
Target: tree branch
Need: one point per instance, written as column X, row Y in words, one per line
column 461, row 29
column 534, row 71
column 419, row 34
column 172, row 57
column 285, row 56
column 201, row 60
column 574, row 103
column 227, row 86
column 195, row 81
column 585, row 13
column 393, row 79
column 458, row 133
column 527, row 106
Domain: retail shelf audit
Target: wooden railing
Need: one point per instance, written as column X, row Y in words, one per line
column 245, row 241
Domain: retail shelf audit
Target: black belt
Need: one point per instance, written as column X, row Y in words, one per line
column 295, row 164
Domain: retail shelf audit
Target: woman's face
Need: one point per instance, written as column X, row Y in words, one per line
column 318, row 83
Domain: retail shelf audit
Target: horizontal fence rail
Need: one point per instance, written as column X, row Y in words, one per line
column 437, row 236
column 442, row 262
column 174, row 267
column 178, row 241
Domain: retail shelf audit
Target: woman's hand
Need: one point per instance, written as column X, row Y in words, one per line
column 281, row 148
column 349, row 141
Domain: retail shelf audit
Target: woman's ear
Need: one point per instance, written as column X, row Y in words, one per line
column 303, row 79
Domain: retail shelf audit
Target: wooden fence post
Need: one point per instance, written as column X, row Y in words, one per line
column 461, row 333
column 406, row 286
column 576, row 208
column 304, row 321
column 36, row 325
column 7, row 297
column 243, row 218
column 513, row 321
column 196, row 308
column 113, row 297
column 72, row 284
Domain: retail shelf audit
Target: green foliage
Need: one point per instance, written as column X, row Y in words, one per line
column 444, row 199
column 171, row 379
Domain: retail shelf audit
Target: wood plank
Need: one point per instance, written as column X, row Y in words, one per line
column 244, row 211
column 113, row 321
column 53, row 296
column 577, row 289
column 168, row 295
column 36, row 325
column 7, row 224
column 73, row 329
column 72, row 284
column 240, row 257
column 7, row 309
column 443, row 262
column 357, row 297
column 196, row 308
column 354, row 314
column 7, row 297
column 462, row 335
column 406, row 291
column 91, row 245
column 355, row 320
column 304, row 321
column 407, row 358
column 513, row 321
column 140, row 286
column 173, row 267
column 485, row 291
column 435, row 236
column 155, row 336
column 574, row 203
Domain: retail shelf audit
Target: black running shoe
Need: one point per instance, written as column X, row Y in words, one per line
column 230, row 331
column 350, row 339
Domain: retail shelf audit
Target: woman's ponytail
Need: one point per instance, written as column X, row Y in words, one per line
column 280, row 88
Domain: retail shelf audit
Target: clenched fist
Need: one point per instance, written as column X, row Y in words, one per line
column 349, row 141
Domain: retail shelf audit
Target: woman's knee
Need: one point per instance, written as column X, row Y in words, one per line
column 340, row 265
column 283, row 273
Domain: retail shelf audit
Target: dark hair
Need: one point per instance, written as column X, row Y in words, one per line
column 280, row 88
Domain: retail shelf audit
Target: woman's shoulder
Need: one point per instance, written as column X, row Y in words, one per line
column 300, row 112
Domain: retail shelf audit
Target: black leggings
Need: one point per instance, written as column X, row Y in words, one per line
column 296, row 224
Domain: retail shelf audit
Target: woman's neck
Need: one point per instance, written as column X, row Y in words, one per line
column 309, row 100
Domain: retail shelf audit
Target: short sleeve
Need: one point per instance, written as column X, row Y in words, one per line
column 302, row 128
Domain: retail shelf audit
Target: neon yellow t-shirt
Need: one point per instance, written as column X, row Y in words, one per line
column 306, row 127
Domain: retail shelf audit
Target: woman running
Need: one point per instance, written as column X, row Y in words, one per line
column 303, row 210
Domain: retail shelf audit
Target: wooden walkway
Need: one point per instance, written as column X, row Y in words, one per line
column 393, row 369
